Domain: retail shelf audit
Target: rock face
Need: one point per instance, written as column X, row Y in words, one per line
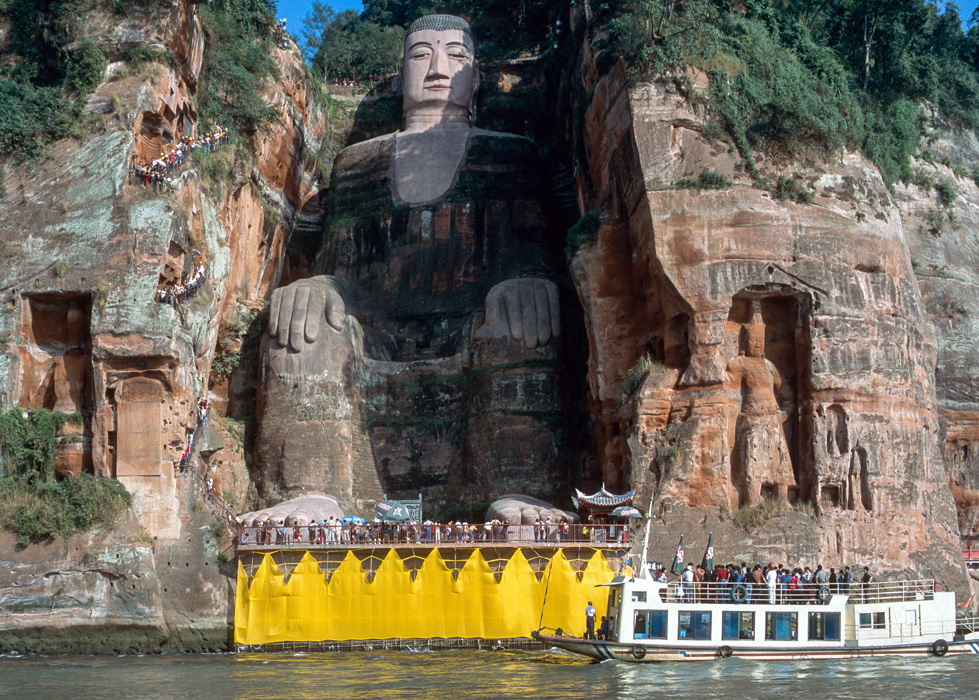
column 84, row 249
column 837, row 410
column 822, row 353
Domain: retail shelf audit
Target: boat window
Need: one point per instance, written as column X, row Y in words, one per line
column 910, row 617
column 738, row 625
column 782, row 626
column 694, row 625
column 872, row 621
column 639, row 596
column 824, row 626
column 650, row 624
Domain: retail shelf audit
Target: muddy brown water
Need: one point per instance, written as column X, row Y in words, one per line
column 458, row 675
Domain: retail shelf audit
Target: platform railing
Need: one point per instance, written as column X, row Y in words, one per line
column 805, row 594
column 373, row 535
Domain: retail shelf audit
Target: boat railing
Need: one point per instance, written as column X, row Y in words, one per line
column 280, row 536
column 711, row 592
column 896, row 629
column 967, row 625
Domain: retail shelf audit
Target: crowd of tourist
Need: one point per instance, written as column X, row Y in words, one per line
column 183, row 290
column 775, row 584
column 273, row 532
column 156, row 174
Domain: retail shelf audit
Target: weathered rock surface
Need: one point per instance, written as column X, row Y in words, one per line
column 676, row 274
column 84, row 249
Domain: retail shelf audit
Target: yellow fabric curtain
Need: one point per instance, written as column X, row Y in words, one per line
column 436, row 602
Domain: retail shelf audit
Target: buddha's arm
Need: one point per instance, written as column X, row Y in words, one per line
column 529, row 307
column 298, row 309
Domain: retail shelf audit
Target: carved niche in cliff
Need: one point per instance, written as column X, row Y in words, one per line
column 139, row 401
column 423, row 357
column 846, row 483
column 57, row 363
column 768, row 377
column 139, row 445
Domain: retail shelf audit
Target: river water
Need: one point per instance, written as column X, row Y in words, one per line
column 457, row 675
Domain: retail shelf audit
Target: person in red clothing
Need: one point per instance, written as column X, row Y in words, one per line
column 721, row 574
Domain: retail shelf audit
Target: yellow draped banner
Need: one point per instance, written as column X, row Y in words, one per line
column 430, row 600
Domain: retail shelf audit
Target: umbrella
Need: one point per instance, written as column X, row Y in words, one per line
column 353, row 520
column 395, row 511
column 626, row 512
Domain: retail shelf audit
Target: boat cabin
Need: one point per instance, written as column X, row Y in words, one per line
column 715, row 614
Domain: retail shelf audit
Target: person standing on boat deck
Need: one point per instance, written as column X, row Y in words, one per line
column 590, row 621
column 721, row 575
column 845, row 578
column 866, row 581
column 834, row 581
column 757, row 583
column 686, row 583
column 698, row 584
column 771, row 578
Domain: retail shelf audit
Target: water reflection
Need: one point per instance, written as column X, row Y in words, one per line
column 461, row 675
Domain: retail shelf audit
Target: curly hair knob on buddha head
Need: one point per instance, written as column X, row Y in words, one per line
column 441, row 23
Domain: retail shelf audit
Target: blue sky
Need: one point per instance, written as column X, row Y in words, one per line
column 296, row 10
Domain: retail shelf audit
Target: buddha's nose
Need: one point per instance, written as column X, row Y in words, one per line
column 439, row 67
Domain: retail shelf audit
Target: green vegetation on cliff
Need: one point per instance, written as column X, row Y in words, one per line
column 33, row 505
column 237, row 61
column 42, row 93
column 799, row 75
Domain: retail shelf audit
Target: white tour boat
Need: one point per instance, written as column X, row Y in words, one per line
column 653, row 621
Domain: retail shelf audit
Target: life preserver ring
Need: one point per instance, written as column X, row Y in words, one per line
column 824, row 594
column 725, row 652
column 739, row 594
column 939, row 647
column 638, row 652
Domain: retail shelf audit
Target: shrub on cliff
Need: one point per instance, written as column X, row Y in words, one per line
column 794, row 76
column 42, row 95
column 237, row 61
column 32, row 504
column 584, row 232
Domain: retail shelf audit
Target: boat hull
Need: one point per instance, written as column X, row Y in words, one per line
column 637, row 653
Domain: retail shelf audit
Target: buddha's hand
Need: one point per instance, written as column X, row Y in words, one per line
column 299, row 309
column 529, row 307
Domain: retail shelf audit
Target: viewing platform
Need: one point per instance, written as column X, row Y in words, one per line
column 360, row 537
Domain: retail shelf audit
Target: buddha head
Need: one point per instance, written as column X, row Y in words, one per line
column 439, row 75
column 754, row 333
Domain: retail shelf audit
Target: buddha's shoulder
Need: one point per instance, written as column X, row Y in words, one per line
column 366, row 151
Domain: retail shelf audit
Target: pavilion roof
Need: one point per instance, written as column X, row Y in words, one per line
column 603, row 498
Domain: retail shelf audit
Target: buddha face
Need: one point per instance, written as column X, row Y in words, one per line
column 439, row 76
column 755, row 336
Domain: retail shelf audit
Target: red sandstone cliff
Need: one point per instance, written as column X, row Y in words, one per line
column 865, row 299
column 84, row 248
column 839, row 416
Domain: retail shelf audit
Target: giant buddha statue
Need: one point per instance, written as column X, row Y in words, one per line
column 423, row 354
